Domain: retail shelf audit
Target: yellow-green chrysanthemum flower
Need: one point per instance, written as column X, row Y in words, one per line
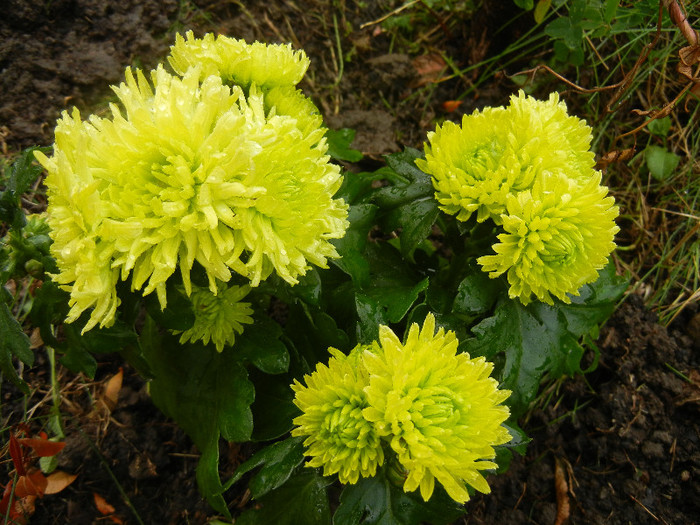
column 546, row 139
column 502, row 151
column 557, row 236
column 467, row 165
column 218, row 318
column 339, row 438
column 266, row 65
column 191, row 171
column 440, row 410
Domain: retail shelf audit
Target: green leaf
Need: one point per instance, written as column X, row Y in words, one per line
column 524, row 4
column 50, row 306
column 538, row 339
column 558, row 28
column 178, row 313
column 207, row 393
column 351, row 246
column 395, row 286
column 308, row 289
column 13, row 343
column 77, row 358
column 309, row 333
column 273, row 408
column 541, row 10
column 660, row 162
column 415, row 222
column 357, row 187
column 660, row 126
column 610, row 10
column 530, row 347
column 476, row 294
column 408, row 183
column 278, row 461
column 339, row 145
column 260, row 344
column 23, row 173
column 302, row 499
column 376, row 501
column 595, row 303
column 112, row 339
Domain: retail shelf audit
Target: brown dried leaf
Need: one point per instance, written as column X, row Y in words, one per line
column 561, row 488
column 429, row 68
column 35, row 340
column 58, row 480
column 112, row 388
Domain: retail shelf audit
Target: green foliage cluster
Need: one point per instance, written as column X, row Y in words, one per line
column 401, row 258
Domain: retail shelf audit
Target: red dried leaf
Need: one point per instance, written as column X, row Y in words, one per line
column 451, row 105
column 43, row 447
column 102, row 505
column 33, row 484
column 17, row 455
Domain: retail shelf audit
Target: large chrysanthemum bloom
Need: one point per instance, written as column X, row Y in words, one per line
column 546, row 139
column 218, row 318
column 502, row 151
column 266, row 65
column 192, row 171
column 440, row 410
column 468, row 165
column 83, row 257
column 339, row 438
column 557, row 236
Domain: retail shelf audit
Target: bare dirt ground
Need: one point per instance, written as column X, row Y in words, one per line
column 620, row 446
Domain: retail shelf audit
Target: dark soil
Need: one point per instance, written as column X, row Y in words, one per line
column 618, row 446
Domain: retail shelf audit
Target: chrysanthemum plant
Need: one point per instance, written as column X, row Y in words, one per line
column 382, row 329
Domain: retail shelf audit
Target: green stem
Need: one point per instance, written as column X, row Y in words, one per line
column 55, row 420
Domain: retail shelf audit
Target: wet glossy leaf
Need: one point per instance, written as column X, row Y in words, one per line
column 376, row 501
column 207, row 393
column 538, row 338
column 273, row 408
column 278, row 462
column 352, row 245
column 340, row 145
column 260, row 344
column 407, row 184
column 530, row 349
column 595, row 303
column 395, row 286
column 302, row 499
column 177, row 315
column 476, row 293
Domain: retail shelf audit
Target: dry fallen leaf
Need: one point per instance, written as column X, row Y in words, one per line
column 561, row 488
column 58, row 480
column 102, row 505
column 112, row 388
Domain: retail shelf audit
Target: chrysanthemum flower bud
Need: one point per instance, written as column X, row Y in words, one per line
column 218, row 318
